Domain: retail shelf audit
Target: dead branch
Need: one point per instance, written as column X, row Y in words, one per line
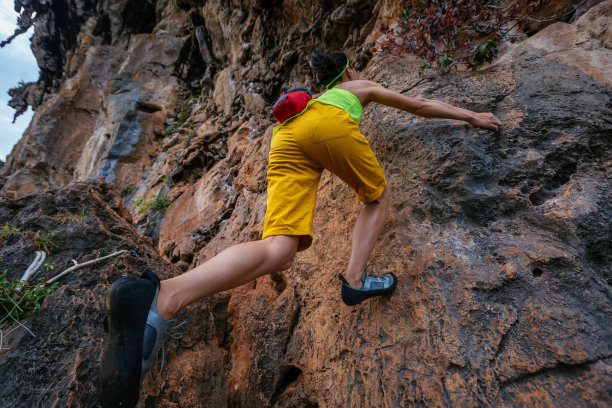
column 77, row 266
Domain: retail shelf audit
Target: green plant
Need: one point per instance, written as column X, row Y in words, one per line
column 44, row 242
column 153, row 223
column 48, row 267
column 446, row 61
column 128, row 190
column 19, row 300
column 6, row 231
column 171, row 130
column 229, row 339
column 142, row 205
column 164, row 179
column 158, row 203
column 447, row 33
column 183, row 116
column 189, row 137
column 482, row 53
column 423, row 68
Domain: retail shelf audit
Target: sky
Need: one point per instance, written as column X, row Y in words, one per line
column 17, row 63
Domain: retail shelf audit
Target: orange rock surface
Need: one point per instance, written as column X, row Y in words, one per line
column 501, row 240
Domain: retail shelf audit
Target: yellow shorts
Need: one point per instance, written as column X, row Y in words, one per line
column 323, row 137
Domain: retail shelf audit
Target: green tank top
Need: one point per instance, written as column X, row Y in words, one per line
column 336, row 97
column 344, row 100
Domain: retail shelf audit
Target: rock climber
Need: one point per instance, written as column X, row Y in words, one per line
column 324, row 136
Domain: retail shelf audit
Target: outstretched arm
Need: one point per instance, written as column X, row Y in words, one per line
column 428, row 108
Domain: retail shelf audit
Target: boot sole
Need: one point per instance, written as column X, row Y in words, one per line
column 127, row 307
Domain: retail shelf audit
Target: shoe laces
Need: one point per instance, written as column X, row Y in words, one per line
column 378, row 281
column 168, row 335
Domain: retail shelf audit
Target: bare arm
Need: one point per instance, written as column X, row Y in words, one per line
column 368, row 91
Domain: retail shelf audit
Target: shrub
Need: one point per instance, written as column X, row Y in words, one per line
column 449, row 32
column 158, row 203
column 142, row 205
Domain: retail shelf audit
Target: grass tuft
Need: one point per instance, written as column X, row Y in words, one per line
column 7, row 230
column 44, row 242
column 19, row 300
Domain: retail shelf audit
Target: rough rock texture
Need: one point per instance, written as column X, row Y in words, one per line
column 502, row 240
column 118, row 77
column 59, row 367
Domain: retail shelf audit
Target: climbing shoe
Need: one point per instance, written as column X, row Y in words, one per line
column 154, row 330
column 373, row 285
column 128, row 307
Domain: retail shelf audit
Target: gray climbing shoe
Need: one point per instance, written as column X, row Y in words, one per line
column 152, row 339
column 154, row 330
column 373, row 285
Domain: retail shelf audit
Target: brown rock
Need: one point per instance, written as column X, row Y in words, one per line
column 501, row 240
column 58, row 365
column 225, row 90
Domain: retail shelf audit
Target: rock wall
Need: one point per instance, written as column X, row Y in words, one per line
column 116, row 75
column 55, row 364
column 502, row 241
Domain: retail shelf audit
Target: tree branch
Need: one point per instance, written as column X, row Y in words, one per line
column 77, row 266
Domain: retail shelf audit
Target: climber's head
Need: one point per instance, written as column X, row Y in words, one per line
column 329, row 67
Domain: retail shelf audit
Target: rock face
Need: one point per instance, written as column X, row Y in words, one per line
column 501, row 240
column 59, row 366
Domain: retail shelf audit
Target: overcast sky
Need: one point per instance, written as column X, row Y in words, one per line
column 16, row 64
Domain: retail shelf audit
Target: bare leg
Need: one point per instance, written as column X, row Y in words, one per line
column 233, row 267
column 366, row 232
